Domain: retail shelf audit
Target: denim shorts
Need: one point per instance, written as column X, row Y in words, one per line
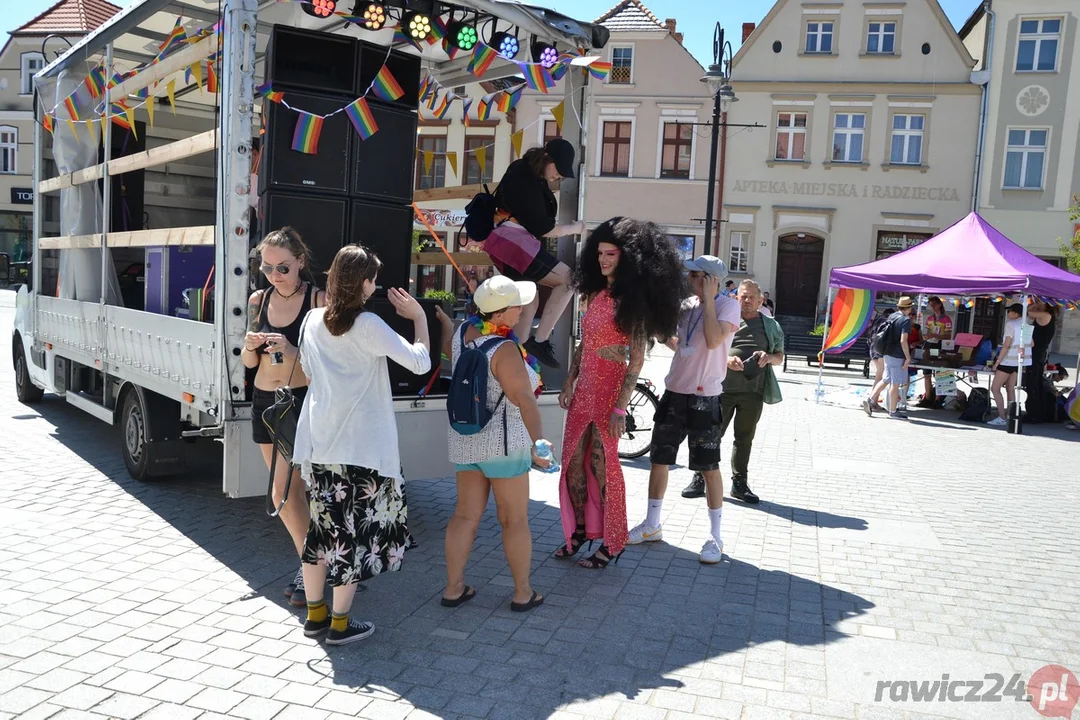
column 504, row 466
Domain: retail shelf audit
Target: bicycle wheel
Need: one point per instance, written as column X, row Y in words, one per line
column 636, row 440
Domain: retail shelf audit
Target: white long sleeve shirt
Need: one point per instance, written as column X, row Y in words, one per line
column 348, row 415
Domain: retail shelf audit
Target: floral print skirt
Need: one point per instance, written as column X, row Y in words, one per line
column 359, row 523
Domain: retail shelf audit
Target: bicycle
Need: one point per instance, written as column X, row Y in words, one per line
column 640, row 412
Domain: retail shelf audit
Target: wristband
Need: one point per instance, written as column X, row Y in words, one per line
column 617, row 411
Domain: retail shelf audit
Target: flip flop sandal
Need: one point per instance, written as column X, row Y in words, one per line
column 535, row 601
column 466, row 595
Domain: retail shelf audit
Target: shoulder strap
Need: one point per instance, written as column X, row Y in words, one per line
column 488, row 344
column 264, row 301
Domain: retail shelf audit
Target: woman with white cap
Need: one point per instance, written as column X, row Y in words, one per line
column 498, row 457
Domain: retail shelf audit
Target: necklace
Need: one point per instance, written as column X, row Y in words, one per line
column 486, row 327
column 299, row 287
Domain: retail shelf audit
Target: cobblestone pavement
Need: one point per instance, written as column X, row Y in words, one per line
column 882, row 551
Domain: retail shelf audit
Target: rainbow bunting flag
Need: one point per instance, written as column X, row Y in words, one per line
column 450, row 48
column 559, row 71
column 444, row 105
column 306, row 136
column 175, row 39
column 425, row 88
column 385, row 86
column 484, row 108
column 401, row 38
column 71, row 102
column 360, row 115
column 536, row 77
column 211, row 78
column 95, row 81
column 121, row 120
column 600, row 70
column 482, row 57
column 851, row 313
column 438, row 31
column 509, row 99
column 465, row 105
column 47, row 122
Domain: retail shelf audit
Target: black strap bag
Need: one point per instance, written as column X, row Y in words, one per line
column 281, row 419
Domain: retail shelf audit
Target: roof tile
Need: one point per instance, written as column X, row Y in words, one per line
column 70, row 16
column 630, row 16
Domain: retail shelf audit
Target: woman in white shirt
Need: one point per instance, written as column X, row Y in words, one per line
column 346, row 441
column 1004, row 365
column 499, row 456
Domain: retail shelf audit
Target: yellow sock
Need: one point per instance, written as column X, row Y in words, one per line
column 316, row 611
column 339, row 622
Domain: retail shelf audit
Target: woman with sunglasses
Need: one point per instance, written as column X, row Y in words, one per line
column 271, row 345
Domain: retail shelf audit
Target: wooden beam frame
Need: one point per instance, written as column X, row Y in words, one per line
column 456, row 192
column 461, row 258
column 197, row 235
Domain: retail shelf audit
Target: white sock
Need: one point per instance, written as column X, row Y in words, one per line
column 714, row 523
column 652, row 519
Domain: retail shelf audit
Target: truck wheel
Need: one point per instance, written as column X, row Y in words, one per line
column 27, row 392
column 137, row 449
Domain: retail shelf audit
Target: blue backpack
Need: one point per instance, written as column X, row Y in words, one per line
column 466, row 403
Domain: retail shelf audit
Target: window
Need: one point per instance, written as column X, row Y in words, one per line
column 615, row 156
column 907, row 139
column 1038, row 47
column 551, row 131
column 848, row 130
column 1025, row 157
column 819, row 37
column 436, row 176
column 678, row 144
column 9, row 149
column 791, row 136
column 739, row 255
column 473, row 174
column 881, row 38
column 622, row 65
column 31, row 64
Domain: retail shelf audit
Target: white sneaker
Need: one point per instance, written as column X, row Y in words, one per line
column 998, row 422
column 643, row 533
column 711, row 552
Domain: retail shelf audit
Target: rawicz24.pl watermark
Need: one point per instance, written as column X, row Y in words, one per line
column 1053, row 690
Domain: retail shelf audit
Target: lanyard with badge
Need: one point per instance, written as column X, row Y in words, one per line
column 686, row 349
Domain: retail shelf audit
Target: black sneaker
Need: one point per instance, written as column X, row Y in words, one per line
column 741, row 491
column 355, row 631
column 298, row 580
column 314, row 629
column 298, row 597
column 542, row 351
column 696, row 488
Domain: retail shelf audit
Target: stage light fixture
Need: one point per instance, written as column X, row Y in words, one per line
column 505, row 44
column 463, row 36
column 417, row 25
column 545, row 54
column 320, row 8
column 374, row 16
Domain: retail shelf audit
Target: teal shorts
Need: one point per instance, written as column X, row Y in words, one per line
column 506, row 466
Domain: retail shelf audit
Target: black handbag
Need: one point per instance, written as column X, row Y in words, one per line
column 281, row 419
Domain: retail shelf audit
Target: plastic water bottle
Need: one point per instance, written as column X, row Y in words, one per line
column 543, row 451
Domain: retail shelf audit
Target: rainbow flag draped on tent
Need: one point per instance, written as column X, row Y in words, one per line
column 851, row 313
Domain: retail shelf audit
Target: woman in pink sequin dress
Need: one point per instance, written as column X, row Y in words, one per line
column 631, row 275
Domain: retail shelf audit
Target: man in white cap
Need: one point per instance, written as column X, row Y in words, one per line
column 690, row 407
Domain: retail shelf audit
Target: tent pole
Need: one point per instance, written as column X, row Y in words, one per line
column 1020, row 350
column 824, row 336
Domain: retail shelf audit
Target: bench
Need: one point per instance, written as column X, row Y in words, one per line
column 808, row 346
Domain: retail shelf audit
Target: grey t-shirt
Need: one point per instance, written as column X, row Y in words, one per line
column 900, row 324
column 748, row 339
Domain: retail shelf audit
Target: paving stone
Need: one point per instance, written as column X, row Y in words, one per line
column 124, row 706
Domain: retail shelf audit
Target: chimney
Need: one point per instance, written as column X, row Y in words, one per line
column 670, row 25
column 747, row 30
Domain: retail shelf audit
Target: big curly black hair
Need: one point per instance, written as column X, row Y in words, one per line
column 649, row 283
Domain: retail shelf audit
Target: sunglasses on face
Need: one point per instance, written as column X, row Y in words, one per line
column 281, row 269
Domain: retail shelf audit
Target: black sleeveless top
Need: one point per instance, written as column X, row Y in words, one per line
column 1042, row 336
column 290, row 331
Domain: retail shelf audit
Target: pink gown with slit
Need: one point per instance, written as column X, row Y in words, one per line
column 600, row 505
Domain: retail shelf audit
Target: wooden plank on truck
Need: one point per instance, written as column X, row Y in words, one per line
column 198, row 235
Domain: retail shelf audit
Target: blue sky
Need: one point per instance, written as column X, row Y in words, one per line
column 697, row 18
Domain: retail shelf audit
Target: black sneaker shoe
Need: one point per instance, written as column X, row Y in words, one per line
column 314, row 629
column 355, row 631
column 542, row 351
column 696, row 488
column 298, row 597
column 298, row 580
column 741, row 491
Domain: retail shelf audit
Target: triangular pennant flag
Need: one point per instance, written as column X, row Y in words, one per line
column 47, row 122
column 557, row 112
column 211, row 78
column 130, row 112
column 451, row 157
column 71, row 125
column 515, row 142
column 429, row 157
column 360, row 116
column 385, row 86
column 481, row 158
column 150, row 111
column 170, row 88
column 90, row 130
column 306, row 135
column 196, row 70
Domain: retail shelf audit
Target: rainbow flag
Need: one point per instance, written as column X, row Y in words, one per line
column 175, row 39
column 425, row 88
column 443, row 107
column 508, row 99
column 360, row 116
column 482, row 57
column 559, row 71
column 95, row 81
column 71, row 102
column 486, row 106
column 438, row 31
column 851, row 313
column 306, row 136
column 600, row 70
column 211, row 78
column 536, row 77
column 385, row 86
column 450, row 48
column 268, row 93
column 401, row 38
column 47, row 122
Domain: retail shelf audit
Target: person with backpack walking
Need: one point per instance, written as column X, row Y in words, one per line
column 877, row 360
column 891, row 341
column 347, row 442
column 494, row 426
column 513, row 224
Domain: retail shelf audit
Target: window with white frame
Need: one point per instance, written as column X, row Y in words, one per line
column 622, row 65
column 907, row 139
column 848, row 132
column 1025, row 158
column 881, row 38
column 819, row 37
column 9, row 149
column 739, row 252
column 791, row 136
column 1037, row 50
column 31, row 64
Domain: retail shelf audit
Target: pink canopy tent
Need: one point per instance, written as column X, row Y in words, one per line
column 968, row 258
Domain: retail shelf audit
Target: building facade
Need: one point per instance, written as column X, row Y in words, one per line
column 646, row 143
column 1029, row 174
column 868, row 146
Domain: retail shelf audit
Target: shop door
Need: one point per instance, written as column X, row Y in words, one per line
column 798, row 274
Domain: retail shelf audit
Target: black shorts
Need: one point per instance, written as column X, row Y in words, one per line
column 260, row 401
column 687, row 416
column 1007, row 369
column 541, row 266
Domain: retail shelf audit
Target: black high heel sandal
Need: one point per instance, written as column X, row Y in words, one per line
column 600, row 559
column 576, row 541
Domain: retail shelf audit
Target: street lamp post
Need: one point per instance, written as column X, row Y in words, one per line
column 718, row 79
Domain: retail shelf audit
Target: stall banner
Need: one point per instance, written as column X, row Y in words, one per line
column 944, row 383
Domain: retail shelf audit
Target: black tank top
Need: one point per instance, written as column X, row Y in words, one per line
column 1042, row 336
column 290, row 331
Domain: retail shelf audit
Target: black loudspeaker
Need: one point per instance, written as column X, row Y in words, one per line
column 323, row 171
column 322, row 222
column 387, row 230
column 402, row 382
column 312, row 61
column 404, row 67
column 127, row 190
column 382, row 165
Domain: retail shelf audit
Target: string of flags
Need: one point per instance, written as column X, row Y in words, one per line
column 969, row 302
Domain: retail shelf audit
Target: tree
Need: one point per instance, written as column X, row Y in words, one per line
column 1071, row 250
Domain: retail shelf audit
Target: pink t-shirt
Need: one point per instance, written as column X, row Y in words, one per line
column 697, row 370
